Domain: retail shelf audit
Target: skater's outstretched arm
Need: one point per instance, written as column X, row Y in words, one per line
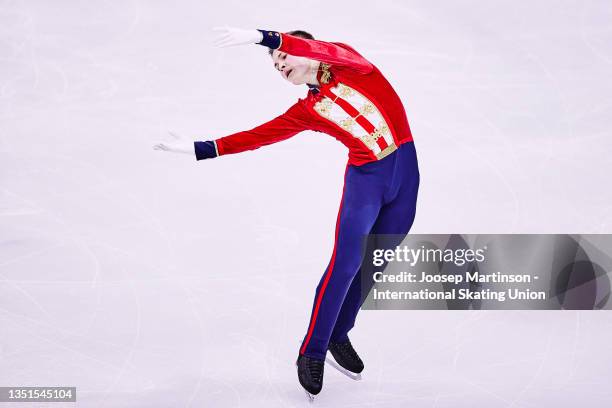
column 328, row 52
column 278, row 129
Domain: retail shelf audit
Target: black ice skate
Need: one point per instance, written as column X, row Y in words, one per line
column 310, row 374
column 347, row 357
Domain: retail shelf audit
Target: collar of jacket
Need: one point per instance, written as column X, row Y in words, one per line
column 313, row 88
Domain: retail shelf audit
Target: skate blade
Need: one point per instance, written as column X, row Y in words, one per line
column 310, row 396
column 353, row 376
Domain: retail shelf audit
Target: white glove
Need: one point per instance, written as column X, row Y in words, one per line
column 230, row 36
column 177, row 145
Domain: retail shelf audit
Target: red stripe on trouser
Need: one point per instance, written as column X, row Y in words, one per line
column 313, row 319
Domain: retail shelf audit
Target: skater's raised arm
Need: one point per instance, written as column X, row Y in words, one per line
column 278, row 129
column 328, row 52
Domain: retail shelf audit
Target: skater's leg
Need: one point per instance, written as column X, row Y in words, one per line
column 395, row 217
column 353, row 300
column 361, row 201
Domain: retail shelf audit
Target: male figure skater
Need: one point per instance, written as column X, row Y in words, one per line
column 349, row 99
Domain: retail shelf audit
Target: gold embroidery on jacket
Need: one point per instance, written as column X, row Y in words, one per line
column 371, row 139
column 345, row 91
column 347, row 124
column 366, row 109
column 323, row 107
column 327, row 108
column 326, row 74
column 388, row 150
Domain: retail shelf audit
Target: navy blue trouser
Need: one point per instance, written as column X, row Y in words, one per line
column 378, row 198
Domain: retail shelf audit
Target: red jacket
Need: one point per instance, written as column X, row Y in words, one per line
column 355, row 104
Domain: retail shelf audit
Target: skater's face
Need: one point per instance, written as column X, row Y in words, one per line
column 297, row 70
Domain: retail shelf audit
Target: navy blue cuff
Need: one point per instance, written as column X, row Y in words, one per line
column 205, row 150
column 271, row 39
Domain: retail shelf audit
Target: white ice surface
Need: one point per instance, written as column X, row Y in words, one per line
column 151, row 280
